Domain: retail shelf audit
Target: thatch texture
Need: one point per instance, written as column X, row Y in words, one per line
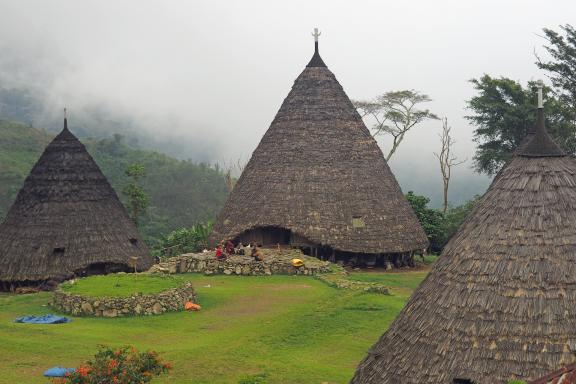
column 315, row 170
column 65, row 218
column 565, row 375
column 499, row 302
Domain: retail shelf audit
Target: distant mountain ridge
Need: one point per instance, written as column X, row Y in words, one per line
column 182, row 192
column 99, row 122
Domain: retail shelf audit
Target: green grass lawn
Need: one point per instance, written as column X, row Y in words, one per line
column 288, row 329
column 400, row 283
column 123, row 284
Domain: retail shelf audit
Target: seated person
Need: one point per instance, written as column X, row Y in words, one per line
column 257, row 254
column 229, row 248
column 219, row 253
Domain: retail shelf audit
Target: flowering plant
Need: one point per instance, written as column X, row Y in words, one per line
column 123, row 366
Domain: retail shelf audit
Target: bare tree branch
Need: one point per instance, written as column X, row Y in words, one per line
column 446, row 160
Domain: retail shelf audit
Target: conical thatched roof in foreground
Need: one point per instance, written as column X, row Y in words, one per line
column 315, row 170
column 500, row 301
column 65, row 218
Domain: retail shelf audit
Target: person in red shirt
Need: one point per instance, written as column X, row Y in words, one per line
column 219, row 254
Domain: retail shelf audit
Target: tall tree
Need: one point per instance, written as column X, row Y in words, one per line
column 395, row 113
column 562, row 67
column 504, row 111
column 446, row 160
column 138, row 200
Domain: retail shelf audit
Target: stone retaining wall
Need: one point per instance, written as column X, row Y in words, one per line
column 135, row 305
column 275, row 262
column 340, row 280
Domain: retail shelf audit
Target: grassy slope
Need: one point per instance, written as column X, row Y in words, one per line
column 182, row 193
column 20, row 147
column 294, row 329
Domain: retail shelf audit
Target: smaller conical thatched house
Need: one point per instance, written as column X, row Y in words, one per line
column 319, row 181
column 499, row 302
column 66, row 221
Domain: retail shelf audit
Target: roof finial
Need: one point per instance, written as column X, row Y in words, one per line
column 540, row 97
column 65, row 119
column 316, row 60
column 316, row 34
column 541, row 144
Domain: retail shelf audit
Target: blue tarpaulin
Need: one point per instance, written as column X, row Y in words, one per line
column 46, row 319
column 58, row 372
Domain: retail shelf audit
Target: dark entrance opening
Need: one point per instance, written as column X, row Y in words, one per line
column 271, row 236
column 103, row 269
column 266, row 236
column 462, row 381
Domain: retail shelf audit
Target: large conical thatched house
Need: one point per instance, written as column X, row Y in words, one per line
column 66, row 220
column 500, row 302
column 318, row 180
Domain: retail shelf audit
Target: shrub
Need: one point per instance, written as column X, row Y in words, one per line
column 186, row 240
column 455, row 216
column 439, row 226
column 432, row 220
column 123, row 366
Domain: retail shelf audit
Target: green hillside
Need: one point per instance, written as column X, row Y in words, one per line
column 181, row 192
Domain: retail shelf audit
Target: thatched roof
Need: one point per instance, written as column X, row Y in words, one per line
column 315, row 170
column 499, row 302
column 66, row 217
column 564, row 375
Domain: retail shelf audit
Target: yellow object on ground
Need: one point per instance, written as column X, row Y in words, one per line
column 297, row 263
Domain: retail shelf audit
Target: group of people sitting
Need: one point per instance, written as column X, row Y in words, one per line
column 225, row 249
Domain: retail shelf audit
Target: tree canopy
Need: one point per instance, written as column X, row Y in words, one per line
column 562, row 67
column 395, row 113
column 503, row 112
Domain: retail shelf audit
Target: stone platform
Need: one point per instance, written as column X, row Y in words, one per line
column 276, row 262
column 134, row 305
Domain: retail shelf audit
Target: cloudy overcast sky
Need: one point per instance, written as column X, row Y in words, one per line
column 216, row 72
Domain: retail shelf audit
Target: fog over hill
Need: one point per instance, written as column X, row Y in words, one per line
column 203, row 79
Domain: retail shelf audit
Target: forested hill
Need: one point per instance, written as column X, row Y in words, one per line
column 181, row 192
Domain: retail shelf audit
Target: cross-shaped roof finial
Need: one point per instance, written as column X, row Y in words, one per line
column 316, row 34
column 540, row 96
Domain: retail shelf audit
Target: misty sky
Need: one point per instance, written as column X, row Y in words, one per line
column 215, row 72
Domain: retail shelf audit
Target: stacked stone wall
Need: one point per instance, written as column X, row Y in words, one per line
column 274, row 263
column 134, row 305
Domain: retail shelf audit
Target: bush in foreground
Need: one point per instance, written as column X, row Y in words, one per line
column 123, row 366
